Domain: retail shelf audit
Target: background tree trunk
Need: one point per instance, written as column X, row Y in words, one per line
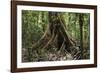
column 81, row 33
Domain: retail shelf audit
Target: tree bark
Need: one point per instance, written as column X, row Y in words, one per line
column 81, row 33
column 55, row 29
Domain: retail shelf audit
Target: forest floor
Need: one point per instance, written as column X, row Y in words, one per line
column 50, row 55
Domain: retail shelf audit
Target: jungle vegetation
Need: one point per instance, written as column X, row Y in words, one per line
column 55, row 36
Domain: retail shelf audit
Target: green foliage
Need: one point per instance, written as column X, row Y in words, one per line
column 73, row 26
column 34, row 24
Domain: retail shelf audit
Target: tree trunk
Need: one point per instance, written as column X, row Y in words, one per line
column 55, row 31
column 81, row 33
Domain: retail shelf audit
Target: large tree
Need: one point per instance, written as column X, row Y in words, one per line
column 56, row 36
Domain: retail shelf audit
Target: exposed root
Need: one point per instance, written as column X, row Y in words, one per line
column 49, row 40
column 62, row 46
column 38, row 43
